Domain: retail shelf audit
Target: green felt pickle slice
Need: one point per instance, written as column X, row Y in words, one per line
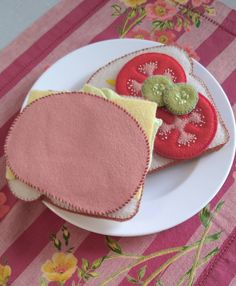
column 154, row 87
column 181, row 99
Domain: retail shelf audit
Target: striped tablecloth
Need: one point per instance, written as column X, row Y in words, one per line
column 39, row 248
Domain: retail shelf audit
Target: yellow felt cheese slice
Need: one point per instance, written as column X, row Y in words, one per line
column 36, row 94
column 9, row 174
column 143, row 111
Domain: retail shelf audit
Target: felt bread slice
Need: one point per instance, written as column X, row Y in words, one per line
column 64, row 147
column 144, row 112
column 170, row 61
column 129, row 72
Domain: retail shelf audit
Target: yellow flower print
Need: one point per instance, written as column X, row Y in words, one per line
column 5, row 273
column 60, row 268
column 133, row 3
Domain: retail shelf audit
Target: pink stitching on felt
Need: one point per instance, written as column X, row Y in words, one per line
column 134, row 87
column 148, row 68
column 43, row 192
column 185, row 138
column 170, row 74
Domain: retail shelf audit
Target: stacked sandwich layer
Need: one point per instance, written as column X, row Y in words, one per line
column 89, row 151
column 191, row 127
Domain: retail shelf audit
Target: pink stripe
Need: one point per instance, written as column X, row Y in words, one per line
column 180, row 234
column 129, row 245
column 11, row 102
column 216, row 43
column 39, row 50
column 196, row 36
column 11, row 199
column 35, row 31
column 222, row 268
column 3, row 131
column 32, row 272
column 110, row 32
column 224, row 221
column 92, row 248
column 176, row 236
column 31, row 242
column 21, row 216
column 229, row 86
column 226, row 61
column 2, row 172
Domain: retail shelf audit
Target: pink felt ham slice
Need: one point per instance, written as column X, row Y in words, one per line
column 80, row 150
column 135, row 71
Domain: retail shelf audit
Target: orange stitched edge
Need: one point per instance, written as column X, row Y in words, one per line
column 43, row 192
column 137, row 52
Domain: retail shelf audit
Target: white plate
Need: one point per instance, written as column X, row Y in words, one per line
column 172, row 195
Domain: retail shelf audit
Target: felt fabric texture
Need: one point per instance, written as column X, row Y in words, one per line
column 95, row 149
column 180, row 99
column 144, row 112
column 134, row 72
column 9, row 175
column 25, row 192
column 36, row 94
column 186, row 136
column 106, row 75
column 109, row 72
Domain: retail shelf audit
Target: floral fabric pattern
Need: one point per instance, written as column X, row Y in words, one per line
column 160, row 10
column 61, row 267
column 192, row 253
column 161, row 20
column 5, row 273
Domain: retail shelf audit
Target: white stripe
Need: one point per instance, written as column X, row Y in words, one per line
column 224, row 64
column 21, row 216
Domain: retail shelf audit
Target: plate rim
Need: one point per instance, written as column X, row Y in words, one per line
column 145, row 43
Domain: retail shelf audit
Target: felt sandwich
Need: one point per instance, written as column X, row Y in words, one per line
column 192, row 125
column 87, row 152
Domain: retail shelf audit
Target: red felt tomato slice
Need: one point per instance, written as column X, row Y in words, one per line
column 186, row 136
column 134, row 72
